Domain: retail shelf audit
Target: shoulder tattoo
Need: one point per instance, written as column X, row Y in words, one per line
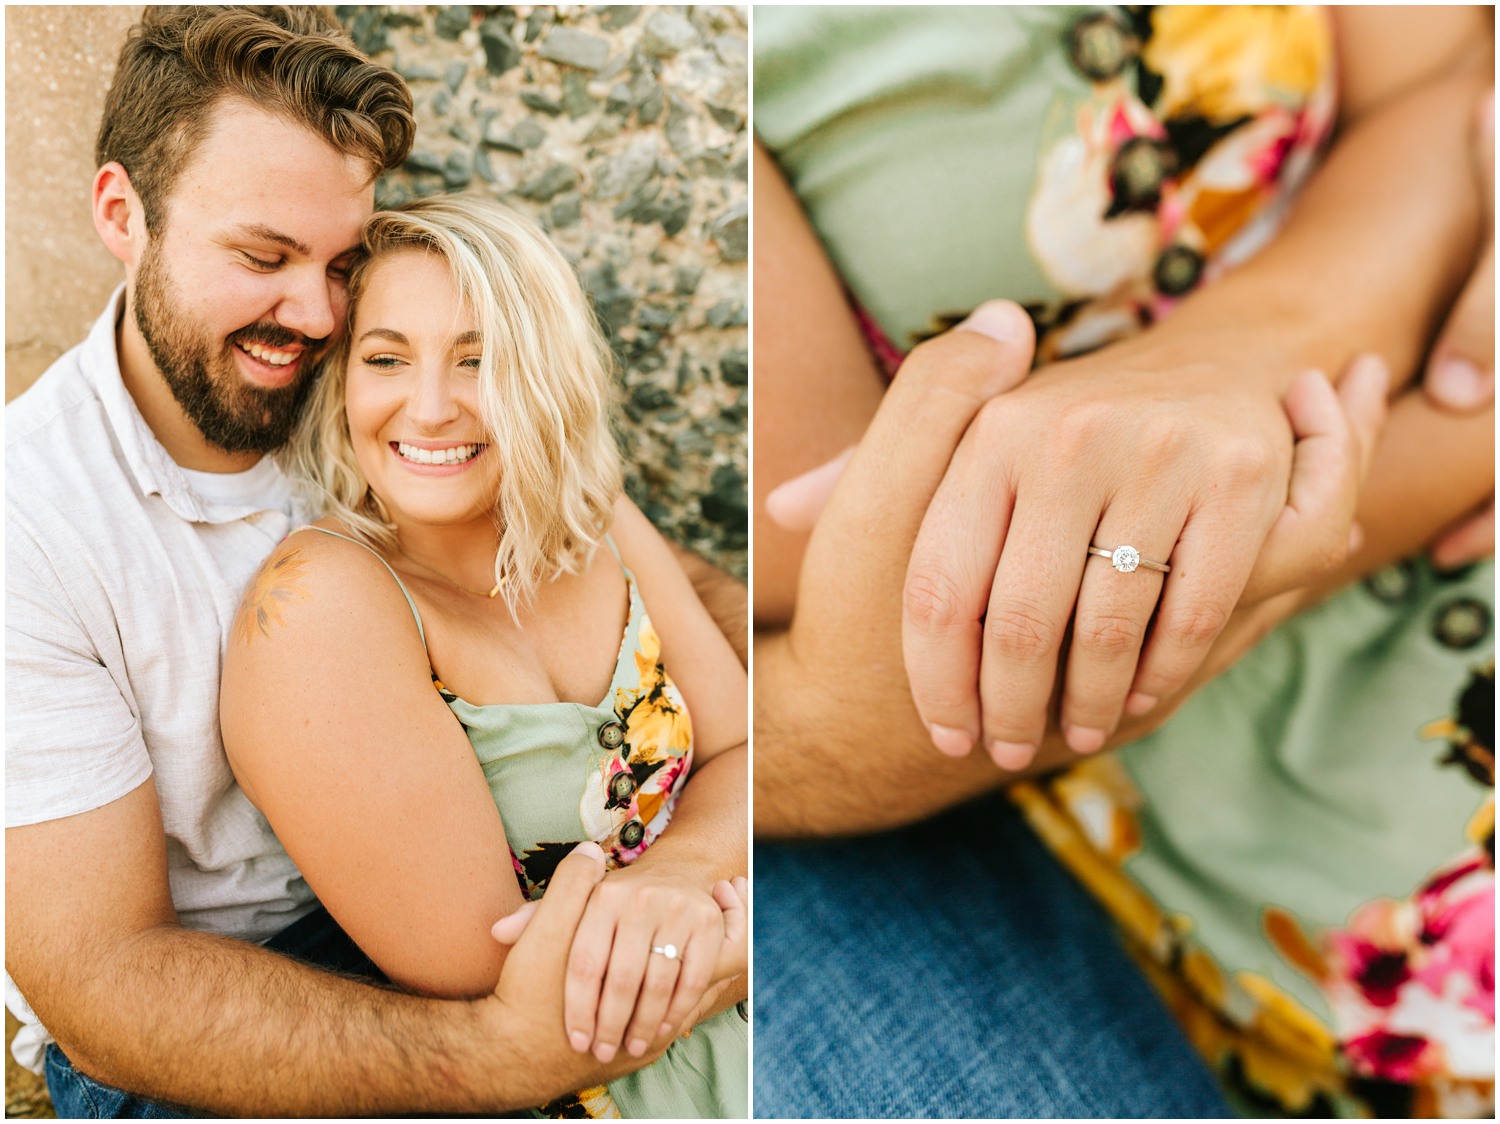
column 275, row 586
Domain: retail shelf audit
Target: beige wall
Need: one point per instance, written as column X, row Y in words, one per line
column 58, row 63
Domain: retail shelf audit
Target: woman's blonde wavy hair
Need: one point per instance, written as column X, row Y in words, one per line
column 544, row 391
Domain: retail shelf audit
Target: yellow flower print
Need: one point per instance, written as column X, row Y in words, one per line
column 1224, row 63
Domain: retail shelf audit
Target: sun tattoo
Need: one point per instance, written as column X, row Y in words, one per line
column 273, row 587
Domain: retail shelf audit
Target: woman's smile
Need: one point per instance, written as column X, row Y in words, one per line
column 437, row 458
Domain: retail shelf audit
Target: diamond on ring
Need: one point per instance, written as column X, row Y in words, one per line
column 1125, row 559
column 667, row 950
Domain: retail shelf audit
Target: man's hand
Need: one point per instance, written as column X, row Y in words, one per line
column 1461, row 371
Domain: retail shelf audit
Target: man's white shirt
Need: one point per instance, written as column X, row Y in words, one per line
column 123, row 576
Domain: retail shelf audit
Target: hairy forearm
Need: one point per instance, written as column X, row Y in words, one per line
column 254, row 1033
column 1371, row 255
column 726, row 599
column 857, row 760
column 706, row 840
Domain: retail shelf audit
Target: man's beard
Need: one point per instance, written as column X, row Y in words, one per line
column 228, row 411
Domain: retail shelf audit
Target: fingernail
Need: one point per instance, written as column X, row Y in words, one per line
column 579, row 1041
column 955, row 743
column 664, row 1030
column 604, row 1052
column 590, row 848
column 1140, row 703
column 1460, row 384
column 1012, row 755
column 995, row 319
column 1084, row 739
column 637, row 1047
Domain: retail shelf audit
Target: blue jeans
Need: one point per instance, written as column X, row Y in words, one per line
column 316, row 939
column 954, row 969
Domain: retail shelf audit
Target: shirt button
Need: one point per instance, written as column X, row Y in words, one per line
column 1177, row 270
column 611, row 735
column 632, row 833
column 1136, row 176
column 1100, row 47
column 1462, row 624
column 1393, row 584
column 622, row 787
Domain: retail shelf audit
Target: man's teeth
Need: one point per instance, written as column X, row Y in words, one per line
column 267, row 355
column 456, row 455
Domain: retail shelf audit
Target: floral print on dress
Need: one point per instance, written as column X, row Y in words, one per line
column 1409, row 985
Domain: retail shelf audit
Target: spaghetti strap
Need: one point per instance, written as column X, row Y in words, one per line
column 400, row 584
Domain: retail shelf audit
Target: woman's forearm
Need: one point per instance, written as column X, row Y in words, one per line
column 1371, row 256
column 706, row 839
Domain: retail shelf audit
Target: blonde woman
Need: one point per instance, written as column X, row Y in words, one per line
column 466, row 632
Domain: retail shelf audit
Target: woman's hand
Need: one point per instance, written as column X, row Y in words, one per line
column 1185, row 465
column 616, row 973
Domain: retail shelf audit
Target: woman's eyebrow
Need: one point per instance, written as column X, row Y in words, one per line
column 271, row 234
column 386, row 334
column 468, row 338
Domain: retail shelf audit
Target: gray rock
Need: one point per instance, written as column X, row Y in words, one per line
column 482, row 166
column 727, row 314
column 726, row 504
column 576, row 99
column 613, row 301
column 390, row 193
column 395, row 19
column 418, row 71
column 685, row 279
column 727, row 117
column 554, row 181
column 734, row 367
column 683, row 128
column 528, row 133
column 454, row 75
column 606, row 128
column 453, row 21
column 612, row 17
column 666, row 33
column 618, row 102
column 651, row 107
column 542, row 103
column 628, row 171
column 458, row 170
column 423, row 162
column 639, row 206
column 441, row 102
column 566, row 211
column 460, row 132
column 732, row 50
column 367, row 29
column 500, row 51
column 535, row 22
column 571, row 47
column 649, row 397
column 674, row 212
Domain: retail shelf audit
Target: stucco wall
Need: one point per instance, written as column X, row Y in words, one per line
column 623, row 130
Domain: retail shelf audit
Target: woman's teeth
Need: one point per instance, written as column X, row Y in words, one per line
column 456, row 455
column 267, row 355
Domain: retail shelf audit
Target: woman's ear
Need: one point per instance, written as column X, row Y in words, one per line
column 118, row 215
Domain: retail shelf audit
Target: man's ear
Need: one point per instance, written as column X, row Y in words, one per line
column 118, row 215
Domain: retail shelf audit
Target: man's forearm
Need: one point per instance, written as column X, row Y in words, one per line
column 726, row 599
column 253, row 1033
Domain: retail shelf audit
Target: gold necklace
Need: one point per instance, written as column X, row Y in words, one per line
column 499, row 585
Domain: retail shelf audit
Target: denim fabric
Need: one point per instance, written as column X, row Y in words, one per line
column 315, row 939
column 954, row 969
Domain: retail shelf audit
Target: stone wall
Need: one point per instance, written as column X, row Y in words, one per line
column 621, row 129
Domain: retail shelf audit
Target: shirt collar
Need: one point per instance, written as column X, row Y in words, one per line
column 152, row 467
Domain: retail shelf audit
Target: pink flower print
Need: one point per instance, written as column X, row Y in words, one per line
column 1459, row 932
column 1377, row 972
column 1391, row 1057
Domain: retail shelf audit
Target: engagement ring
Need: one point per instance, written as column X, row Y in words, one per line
column 1127, row 558
column 667, row 950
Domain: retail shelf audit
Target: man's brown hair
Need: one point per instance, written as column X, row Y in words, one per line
column 295, row 62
